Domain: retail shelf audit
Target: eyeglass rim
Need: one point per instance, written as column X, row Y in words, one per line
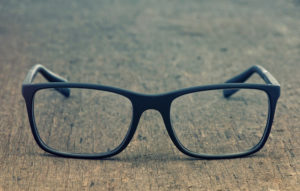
column 29, row 90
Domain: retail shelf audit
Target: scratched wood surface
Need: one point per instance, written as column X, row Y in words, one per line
column 150, row 47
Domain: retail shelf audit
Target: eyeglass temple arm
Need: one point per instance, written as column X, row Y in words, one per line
column 50, row 76
column 241, row 78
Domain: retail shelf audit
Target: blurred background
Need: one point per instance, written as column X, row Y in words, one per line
column 182, row 43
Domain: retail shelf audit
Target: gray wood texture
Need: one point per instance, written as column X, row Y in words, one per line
column 150, row 47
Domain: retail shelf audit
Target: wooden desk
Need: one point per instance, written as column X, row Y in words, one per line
column 150, row 47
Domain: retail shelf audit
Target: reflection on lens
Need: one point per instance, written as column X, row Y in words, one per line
column 207, row 123
column 89, row 121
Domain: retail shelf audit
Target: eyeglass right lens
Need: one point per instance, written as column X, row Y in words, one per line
column 207, row 123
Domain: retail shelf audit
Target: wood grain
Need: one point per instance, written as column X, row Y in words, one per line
column 150, row 47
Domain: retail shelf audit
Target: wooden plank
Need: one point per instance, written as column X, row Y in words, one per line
column 150, row 47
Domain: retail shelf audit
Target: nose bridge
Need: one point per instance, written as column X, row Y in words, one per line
column 155, row 102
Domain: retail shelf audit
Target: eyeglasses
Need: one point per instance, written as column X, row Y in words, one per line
column 219, row 121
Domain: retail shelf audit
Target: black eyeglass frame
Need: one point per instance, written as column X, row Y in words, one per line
column 142, row 102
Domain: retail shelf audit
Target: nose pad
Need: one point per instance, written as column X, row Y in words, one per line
column 151, row 134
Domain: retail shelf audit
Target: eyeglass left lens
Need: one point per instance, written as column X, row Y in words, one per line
column 87, row 122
